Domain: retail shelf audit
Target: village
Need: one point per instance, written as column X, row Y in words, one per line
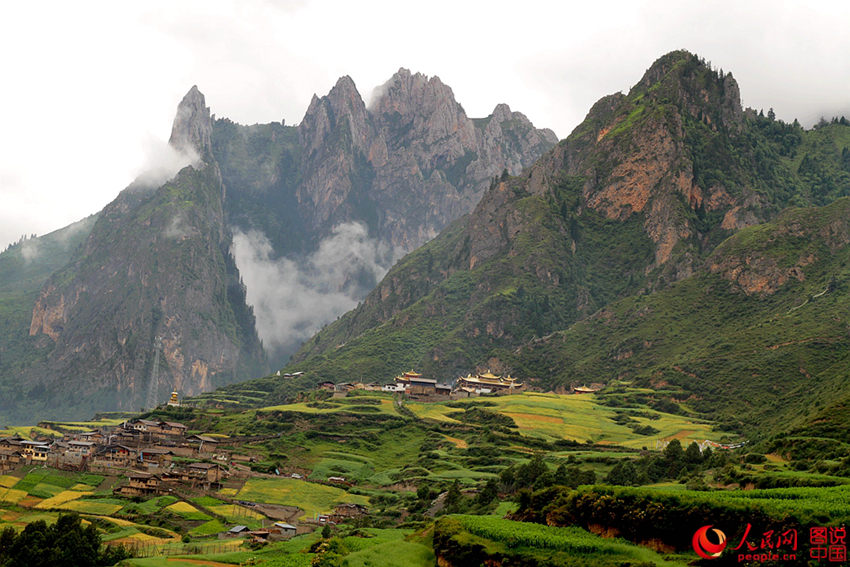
column 161, row 453
column 152, row 457
column 417, row 387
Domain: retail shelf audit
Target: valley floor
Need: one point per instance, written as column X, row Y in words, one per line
column 372, row 479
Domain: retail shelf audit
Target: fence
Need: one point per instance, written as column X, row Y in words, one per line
column 142, row 549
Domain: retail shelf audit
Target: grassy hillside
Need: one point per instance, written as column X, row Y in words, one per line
column 477, row 540
column 759, row 340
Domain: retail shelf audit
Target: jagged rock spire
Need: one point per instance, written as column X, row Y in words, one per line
column 192, row 126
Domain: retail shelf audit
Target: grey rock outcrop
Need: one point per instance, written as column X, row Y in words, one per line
column 191, row 131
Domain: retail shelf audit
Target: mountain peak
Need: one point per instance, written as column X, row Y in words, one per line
column 502, row 112
column 344, row 84
column 192, row 127
column 416, row 95
column 342, row 107
column 664, row 64
column 341, row 99
column 692, row 84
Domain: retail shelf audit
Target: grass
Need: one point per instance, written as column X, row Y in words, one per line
column 387, row 548
column 290, row 553
column 209, row 528
column 505, row 508
column 170, row 562
column 207, row 501
column 150, row 506
column 341, row 405
column 562, row 546
column 817, row 505
column 44, row 490
column 311, row 497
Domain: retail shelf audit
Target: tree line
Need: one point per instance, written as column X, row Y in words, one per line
column 67, row 543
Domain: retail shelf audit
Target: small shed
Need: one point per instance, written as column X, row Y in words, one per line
column 235, row 531
column 282, row 530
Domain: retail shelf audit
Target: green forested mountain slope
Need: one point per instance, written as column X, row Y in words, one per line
column 758, row 339
column 24, row 268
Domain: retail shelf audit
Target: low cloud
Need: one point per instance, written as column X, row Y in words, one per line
column 376, row 95
column 162, row 162
column 29, row 250
column 178, row 228
column 32, row 246
column 293, row 300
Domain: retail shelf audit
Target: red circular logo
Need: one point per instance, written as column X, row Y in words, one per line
column 708, row 549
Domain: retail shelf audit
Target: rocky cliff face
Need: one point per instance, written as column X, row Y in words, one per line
column 405, row 167
column 390, row 176
column 409, row 164
column 157, row 266
column 640, row 154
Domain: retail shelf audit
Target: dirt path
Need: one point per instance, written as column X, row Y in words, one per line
column 280, row 513
column 200, row 562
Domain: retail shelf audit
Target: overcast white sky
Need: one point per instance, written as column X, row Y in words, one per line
column 89, row 89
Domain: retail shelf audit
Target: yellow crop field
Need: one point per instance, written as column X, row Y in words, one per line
column 141, row 538
column 121, row 522
column 61, row 498
column 27, row 432
column 187, row 511
column 576, row 417
column 182, row 508
column 145, row 538
column 82, row 487
column 12, row 496
column 437, row 412
column 234, row 512
column 228, row 491
column 91, row 507
column 7, row 481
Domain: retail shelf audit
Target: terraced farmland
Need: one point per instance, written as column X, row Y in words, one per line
column 574, row 417
column 310, row 497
